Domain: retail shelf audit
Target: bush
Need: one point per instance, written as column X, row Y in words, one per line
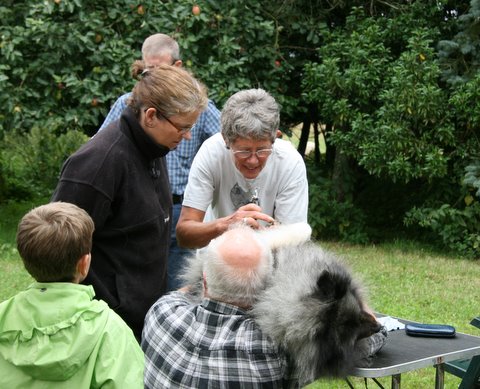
column 30, row 163
column 458, row 229
column 64, row 62
column 329, row 217
column 370, row 77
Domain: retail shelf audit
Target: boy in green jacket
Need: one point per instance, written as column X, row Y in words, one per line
column 54, row 334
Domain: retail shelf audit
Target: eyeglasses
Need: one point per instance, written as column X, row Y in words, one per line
column 182, row 130
column 245, row 154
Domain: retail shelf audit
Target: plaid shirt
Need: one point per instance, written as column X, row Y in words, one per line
column 180, row 159
column 210, row 345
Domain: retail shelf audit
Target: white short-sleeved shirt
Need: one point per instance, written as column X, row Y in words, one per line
column 281, row 186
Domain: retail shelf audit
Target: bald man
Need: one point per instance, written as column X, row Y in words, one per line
column 215, row 342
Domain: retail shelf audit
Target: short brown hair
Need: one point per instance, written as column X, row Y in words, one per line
column 52, row 238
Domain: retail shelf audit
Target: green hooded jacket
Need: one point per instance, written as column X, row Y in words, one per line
column 55, row 335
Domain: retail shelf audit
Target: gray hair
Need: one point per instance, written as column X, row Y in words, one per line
column 251, row 113
column 225, row 282
column 158, row 44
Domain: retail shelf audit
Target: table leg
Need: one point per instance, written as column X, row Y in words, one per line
column 439, row 376
column 396, row 381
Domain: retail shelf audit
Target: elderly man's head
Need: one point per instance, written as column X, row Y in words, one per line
column 160, row 49
column 236, row 267
column 250, row 120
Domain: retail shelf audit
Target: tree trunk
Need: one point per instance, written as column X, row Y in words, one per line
column 302, row 144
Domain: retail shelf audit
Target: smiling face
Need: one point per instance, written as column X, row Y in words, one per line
column 168, row 132
column 252, row 166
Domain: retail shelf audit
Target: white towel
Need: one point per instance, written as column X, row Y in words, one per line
column 390, row 323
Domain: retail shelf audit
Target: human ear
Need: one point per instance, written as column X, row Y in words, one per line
column 226, row 141
column 150, row 114
column 83, row 265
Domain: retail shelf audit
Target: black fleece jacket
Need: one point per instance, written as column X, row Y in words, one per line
column 120, row 178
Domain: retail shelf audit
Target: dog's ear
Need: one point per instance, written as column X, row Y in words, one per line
column 330, row 286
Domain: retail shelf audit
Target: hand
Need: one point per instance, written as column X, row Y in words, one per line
column 250, row 215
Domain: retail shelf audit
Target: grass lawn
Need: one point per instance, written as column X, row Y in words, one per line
column 402, row 279
column 13, row 276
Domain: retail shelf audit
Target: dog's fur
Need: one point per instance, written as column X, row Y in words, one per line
column 314, row 309
column 312, row 306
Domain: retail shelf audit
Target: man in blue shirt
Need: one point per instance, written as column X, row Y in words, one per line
column 162, row 49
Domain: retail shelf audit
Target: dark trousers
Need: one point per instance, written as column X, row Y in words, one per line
column 177, row 255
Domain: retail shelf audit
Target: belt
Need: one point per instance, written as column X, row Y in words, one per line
column 177, row 199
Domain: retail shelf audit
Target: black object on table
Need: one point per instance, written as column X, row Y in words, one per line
column 403, row 353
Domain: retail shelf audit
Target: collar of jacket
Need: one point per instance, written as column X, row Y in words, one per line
column 129, row 124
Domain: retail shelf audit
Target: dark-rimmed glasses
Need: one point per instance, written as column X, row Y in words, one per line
column 182, row 130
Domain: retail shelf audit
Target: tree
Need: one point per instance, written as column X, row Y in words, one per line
column 399, row 125
column 397, row 108
column 67, row 60
column 64, row 62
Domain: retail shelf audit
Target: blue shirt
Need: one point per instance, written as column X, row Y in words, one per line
column 180, row 159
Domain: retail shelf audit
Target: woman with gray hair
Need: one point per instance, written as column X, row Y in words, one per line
column 245, row 174
column 120, row 178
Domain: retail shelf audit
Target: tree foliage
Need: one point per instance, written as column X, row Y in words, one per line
column 66, row 61
column 411, row 121
column 379, row 86
column 391, row 86
column 460, row 55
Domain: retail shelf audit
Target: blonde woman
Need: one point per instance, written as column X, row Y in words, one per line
column 120, row 178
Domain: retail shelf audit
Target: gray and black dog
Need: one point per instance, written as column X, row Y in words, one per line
column 315, row 310
column 312, row 307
